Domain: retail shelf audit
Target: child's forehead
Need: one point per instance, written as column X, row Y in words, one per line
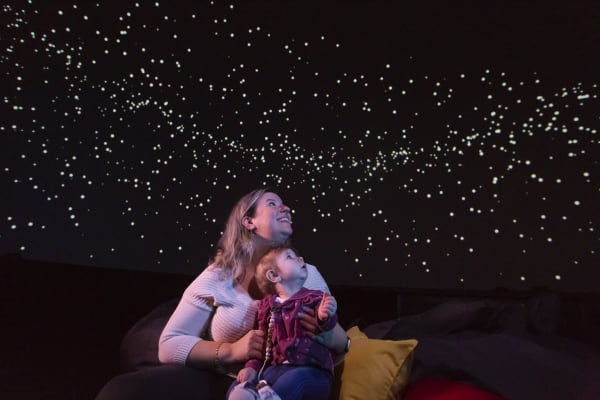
column 286, row 251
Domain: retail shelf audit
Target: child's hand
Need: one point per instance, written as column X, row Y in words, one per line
column 246, row 375
column 327, row 308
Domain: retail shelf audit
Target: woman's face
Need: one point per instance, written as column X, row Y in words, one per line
column 272, row 219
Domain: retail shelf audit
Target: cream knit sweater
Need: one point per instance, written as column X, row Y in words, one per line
column 213, row 308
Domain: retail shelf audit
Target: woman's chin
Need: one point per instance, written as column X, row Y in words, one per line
column 283, row 237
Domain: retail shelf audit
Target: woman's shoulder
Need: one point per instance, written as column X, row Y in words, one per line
column 214, row 272
column 212, row 282
column 211, row 275
column 315, row 280
column 312, row 269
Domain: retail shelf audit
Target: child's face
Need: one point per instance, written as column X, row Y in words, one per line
column 291, row 267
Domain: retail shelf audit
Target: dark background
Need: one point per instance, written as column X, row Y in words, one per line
column 449, row 145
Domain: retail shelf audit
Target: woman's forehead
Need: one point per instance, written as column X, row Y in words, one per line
column 270, row 196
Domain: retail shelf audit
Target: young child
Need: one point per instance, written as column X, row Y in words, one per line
column 294, row 365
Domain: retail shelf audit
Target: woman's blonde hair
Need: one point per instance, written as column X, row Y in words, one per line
column 237, row 246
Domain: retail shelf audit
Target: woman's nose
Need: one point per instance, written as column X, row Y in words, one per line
column 285, row 208
column 301, row 259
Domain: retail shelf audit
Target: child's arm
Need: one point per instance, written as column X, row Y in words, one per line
column 327, row 307
column 326, row 316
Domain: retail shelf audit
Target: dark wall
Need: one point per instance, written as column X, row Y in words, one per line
column 64, row 324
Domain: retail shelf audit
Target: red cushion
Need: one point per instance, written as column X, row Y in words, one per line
column 444, row 389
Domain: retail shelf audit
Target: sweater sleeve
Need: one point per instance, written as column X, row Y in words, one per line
column 315, row 281
column 329, row 324
column 189, row 321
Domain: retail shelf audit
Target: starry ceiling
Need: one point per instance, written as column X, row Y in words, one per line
column 436, row 146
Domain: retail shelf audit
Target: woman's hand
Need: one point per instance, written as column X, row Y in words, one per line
column 308, row 320
column 249, row 346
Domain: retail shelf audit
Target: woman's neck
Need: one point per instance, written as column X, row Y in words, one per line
column 261, row 247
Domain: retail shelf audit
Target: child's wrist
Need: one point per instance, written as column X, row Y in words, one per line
column 322, row 323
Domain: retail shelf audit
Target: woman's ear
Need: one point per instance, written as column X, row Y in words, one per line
column 247, row 223
column 273, row 276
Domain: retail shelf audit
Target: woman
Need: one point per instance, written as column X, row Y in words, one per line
column 211, row 328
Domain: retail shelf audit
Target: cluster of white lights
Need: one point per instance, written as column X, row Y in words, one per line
column 134, row 120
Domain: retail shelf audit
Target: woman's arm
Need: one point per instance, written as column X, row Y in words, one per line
column 218, row 355
column 180, row 341
column 334, row 339
column 182, row 332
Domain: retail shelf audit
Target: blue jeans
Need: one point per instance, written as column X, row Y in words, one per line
column 296, row 382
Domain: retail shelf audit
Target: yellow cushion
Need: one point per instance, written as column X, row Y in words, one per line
column 375, row 369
